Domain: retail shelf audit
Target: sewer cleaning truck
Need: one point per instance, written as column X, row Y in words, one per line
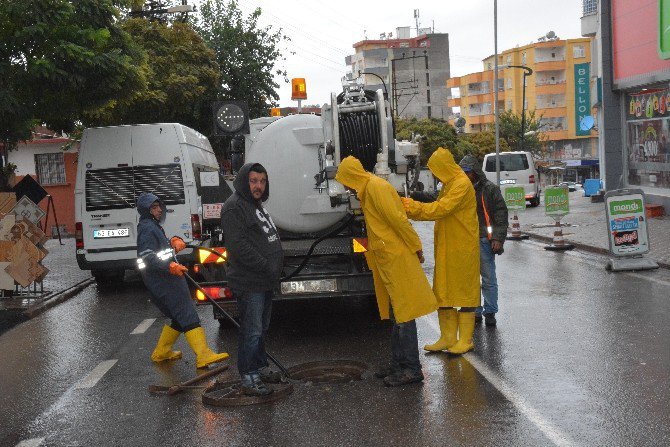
column 321, row 225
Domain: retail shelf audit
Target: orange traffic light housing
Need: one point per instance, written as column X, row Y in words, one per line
column 275, row 111
column 298, row 88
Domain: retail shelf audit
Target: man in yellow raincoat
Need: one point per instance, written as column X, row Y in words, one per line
column 456, row 278
column 394, row 256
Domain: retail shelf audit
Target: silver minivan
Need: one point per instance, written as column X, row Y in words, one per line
column 516, row 169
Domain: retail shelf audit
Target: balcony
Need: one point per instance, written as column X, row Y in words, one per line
column 550, row 112
column 550, row 65
column 381, row 71
column 453, row 82
column 454, row 102
column 550, row 88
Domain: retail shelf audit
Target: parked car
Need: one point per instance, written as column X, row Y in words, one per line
column 572, row 186
column 516, row 169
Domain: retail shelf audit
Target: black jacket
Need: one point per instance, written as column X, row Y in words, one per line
column 493, row 200
column 255, row 255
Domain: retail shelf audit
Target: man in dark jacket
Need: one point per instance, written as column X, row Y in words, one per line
column 492, row 214
column 164, row 277
column 253, row 268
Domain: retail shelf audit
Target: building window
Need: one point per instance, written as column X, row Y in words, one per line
column 523, row 58
column 578, row 51
column 509, row 60
column 509, row 83
column 50, row 168
column 428, row 96
column 488, row 65
column 509, row 104
column 427, row 79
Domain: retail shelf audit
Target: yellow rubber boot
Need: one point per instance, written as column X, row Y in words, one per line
column 466, row 327
column 163, row 349
column 204, row 356
column 448, row 319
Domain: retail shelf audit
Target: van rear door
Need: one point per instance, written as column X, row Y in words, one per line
column 108, row 212
column 159, row 162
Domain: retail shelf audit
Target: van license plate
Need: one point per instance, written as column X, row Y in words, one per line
column 309, row 286
column 116, row 232
column 510, row 181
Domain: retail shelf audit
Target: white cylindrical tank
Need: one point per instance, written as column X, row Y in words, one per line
column 288, row 149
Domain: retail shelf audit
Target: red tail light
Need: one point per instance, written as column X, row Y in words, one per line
column 79, row 235
column 531, row 179
column 216, row 293
column 195, row 226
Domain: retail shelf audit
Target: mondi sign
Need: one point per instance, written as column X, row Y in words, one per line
column 626, row 207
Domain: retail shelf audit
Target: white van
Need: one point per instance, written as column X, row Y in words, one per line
column 516, row 168
column 116, row 165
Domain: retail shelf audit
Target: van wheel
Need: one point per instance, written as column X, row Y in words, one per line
column 107, row 278
column 535, row 202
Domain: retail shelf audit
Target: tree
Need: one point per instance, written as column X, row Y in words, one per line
column 59, row 59
column 510, row 131
column 435, row 133
column 478, row 144
column 247, row 55
column 182, row 79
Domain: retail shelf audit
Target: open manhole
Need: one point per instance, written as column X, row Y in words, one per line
column 328, row 371
column 229, row 394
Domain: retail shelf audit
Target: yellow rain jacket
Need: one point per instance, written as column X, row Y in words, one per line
column 456, row 278
column 392, row 245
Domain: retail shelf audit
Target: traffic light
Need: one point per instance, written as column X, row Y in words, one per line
column 298, row 88
column 231, row 117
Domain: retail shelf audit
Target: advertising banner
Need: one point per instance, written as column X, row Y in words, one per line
column 626, row 222
column 582, row 97
column 515, row 198
column 556, row 202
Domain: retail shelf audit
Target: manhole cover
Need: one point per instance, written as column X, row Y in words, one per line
column 328, row 371
column 229, row 394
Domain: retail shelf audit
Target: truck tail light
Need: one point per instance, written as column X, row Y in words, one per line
column 79, row 235
column 195, row 226
column 531, row 178
column 360, row 244
column 217, row 293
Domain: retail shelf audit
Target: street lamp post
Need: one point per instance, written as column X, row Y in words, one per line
column 527, row 71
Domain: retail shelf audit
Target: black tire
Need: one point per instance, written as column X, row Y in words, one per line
column 535, row 202
column 106, row 278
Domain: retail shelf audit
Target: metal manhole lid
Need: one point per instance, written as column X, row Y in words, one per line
column 328, row 371
column 229, row 394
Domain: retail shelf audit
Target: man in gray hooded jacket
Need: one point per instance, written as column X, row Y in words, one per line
column 253, row 268
column 492, row 214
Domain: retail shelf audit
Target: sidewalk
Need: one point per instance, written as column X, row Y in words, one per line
column 586, row 228
column 64, row 279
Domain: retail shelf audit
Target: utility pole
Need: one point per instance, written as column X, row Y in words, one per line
column 495, row 106
column 527, row 71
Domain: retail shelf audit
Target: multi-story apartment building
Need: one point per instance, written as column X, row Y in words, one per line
column 558, row 90
column 414, row 71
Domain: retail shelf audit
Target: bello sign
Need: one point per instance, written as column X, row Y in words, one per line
column 515, row 198
column 556, row 202
column 582, row 97
column 626, row 222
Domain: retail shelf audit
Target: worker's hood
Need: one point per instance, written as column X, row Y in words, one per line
column 443, row 166
column 470, row 162
column 144, row 202
column 352, row 175
column 241, row 183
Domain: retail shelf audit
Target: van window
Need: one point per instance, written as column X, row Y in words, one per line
column 118, row 188
column 508, row 162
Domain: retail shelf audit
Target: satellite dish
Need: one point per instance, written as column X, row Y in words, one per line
column 460, row 122
column 586, row 123
column 551, row 35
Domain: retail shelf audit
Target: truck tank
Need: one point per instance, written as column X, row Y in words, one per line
column 288, row 148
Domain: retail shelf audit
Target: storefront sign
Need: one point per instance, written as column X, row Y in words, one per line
column 515, row 198
column 582, row 97
column 556, row 202
column 626, row 222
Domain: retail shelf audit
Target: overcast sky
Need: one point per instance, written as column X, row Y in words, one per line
column 322, row 33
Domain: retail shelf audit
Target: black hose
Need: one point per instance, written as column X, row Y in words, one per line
column 231, row 319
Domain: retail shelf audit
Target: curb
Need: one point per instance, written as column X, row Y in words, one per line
column 57, row 298
column 587, row 248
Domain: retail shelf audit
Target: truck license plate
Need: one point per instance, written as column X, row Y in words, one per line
column 309, row 286
column 508, row 181
column 116, row 232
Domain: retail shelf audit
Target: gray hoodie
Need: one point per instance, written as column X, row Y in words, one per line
column 255, row 254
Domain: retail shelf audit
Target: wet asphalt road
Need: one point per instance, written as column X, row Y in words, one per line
column 580, row 357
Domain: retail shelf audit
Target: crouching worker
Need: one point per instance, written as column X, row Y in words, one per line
column 167, row 286
column 394, row 256
column 253, row 268
column 456, row 277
